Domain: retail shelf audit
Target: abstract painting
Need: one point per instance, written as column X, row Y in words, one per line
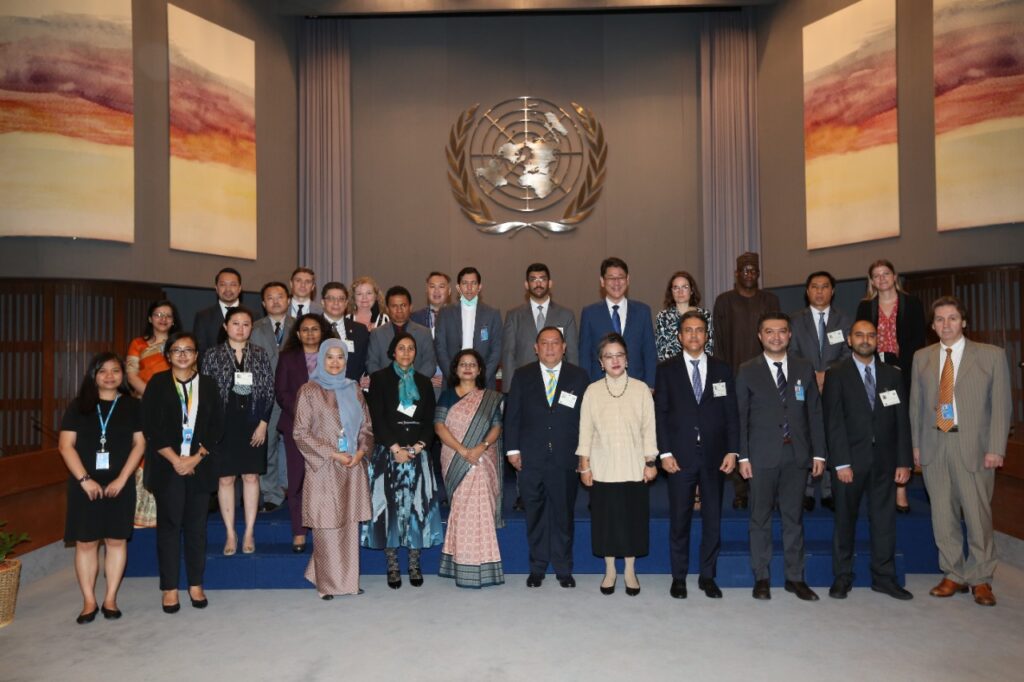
column 66, row 119
column 979, row 112
column 851, row 165
column 213, row 137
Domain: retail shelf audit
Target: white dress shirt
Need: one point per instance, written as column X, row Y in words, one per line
column 468, row 324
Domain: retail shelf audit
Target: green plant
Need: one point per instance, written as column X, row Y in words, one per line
column 8, row 541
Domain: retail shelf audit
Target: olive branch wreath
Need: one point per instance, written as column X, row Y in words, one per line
column 578, row 209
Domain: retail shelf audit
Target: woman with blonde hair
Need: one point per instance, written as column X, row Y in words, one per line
column 367, row 304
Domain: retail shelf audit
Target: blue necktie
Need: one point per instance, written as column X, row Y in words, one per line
column 616, row 320
column 780, row 383
column 869, row 386
column 698, row 389
column 821, row 334
column 277, row 332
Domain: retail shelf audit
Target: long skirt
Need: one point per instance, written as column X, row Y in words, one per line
column 619, row 518
column 471, row 555
column 406, row 512
column 334, row 566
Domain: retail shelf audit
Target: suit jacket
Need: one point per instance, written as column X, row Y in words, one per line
column 595, row 322
column 855, row 432
column 762, row 413
column 910, row 326
column 391, row 426
column 311, row 307
column 291, row 375
column 161, row 424
column 422, row 316
column 545, row 436
column 206, row 326
column 680, row 418
column 359, row 335
column 804, row 341
column 486, row 337
column 380, row 339
column 520, row 336
column 983, row 403
column 263, row 336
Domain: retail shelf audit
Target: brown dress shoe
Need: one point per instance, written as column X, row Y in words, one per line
column 983, row 595
column 947, row 588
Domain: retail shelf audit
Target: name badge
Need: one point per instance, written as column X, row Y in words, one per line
column 835, row 337
column 567, row 399
column 485, row 334
column 102, row 460
column 407, row 411
column 350, row 345
column 243, row 378
column 889, row 398
column 798, row 391
column 718, row 389
column 947, row 410
column 881, row 356
column 562, row 330
column 186, row 441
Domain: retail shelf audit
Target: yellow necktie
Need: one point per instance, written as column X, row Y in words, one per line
column 945, row 393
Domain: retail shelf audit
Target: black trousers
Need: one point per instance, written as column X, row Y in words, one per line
column 784, row 484
column 549, row 496
column 682, row 488
column 877, row 481
column 181, row 509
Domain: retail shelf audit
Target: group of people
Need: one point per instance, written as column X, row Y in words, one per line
column 362, row 415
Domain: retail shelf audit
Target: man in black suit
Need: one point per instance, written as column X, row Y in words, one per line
column 698, row 436
column 867, row 420
column 781, row 429
column 356, row 337
column 209, row 321
column 542, row 429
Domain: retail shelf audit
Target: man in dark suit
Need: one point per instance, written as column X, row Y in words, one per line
column 819, row 336
column 356, row 337
column 616, row 313
column 303, row 283
column 209, row 321
column 698, row 437
column 470, row 323
column 399, row 304
column 542, row 428
column 867, row 425
column 781, row 436
column 439, row 294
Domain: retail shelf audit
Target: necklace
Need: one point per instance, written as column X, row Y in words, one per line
column 609, row 389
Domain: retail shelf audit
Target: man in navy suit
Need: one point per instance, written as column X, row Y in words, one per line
column 209, row 321
column 542, row 429
column 356, row 337
column 624, row 316
column 439, row 294
column 698, row 437
column 470, row 323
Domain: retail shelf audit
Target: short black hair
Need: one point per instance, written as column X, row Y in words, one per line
column 174, row 338
column 229, row 271
column 773, row 315
column 394, row 343
column 397, row 290
column 549, row 328
column 691, row 315
column 609, row 339
column 453, row 371
column 537, row 267
column 613, row 262
column 469, row 269
column 820, row 273
column 438, row 273
column 333, row 285
column 275, row 283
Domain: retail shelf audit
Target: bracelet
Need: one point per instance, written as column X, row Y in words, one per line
column 486, row 445
column 85, row 478
column 583, row 471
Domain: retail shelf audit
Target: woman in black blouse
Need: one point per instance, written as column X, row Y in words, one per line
column 101, row 443
column 182, row 419
column 402, row 484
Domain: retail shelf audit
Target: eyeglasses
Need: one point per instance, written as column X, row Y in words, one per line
column 615, row 279
column 163, row 316
column 613, row 356
column 681, row 287
column 183, row 352
column 335, row 299
column 468, row 365
column 537, row 280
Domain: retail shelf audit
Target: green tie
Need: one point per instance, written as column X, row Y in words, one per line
column 550, row 391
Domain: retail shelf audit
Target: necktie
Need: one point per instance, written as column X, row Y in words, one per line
column 300, row 307
column 549, row 390
column 334, row 328
column 277, row 332
column 821, row 334
column 540, row 317
column 698, row 389
column 430, row 317
column 945, row 393
column 780, row 384
column 869, row 386
column 616, row 320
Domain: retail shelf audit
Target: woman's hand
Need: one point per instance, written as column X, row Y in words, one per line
column 355, row 459
column 259, row 436
column 400, row 455
column 587, row 477
column 115, row 487
column 342, row 458
column 93, row 490
column 650, row 473
column 185, row 466
column 364, row 382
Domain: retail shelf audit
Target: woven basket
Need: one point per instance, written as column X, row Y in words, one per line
column 10, row 574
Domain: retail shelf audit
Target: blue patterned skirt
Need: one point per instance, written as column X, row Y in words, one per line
column 404, row 501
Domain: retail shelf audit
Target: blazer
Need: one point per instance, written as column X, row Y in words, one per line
column 595, row 322
column 804, row 341
column 311, row 307
column 391, row 426
column 520, row 336
column 161, row 424
column 545, row 436
column 359, row 335
column 206, row 326
column 983, row 403
column 680, row 419
column 855, row 432
column 910, row 326
column 487, row 332
column 422, row 316
column 291, row 375
column 263, row 336
column 380, row 339
column 762, row 413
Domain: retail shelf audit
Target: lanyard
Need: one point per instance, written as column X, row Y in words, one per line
column 104, row 422
column 185, row 398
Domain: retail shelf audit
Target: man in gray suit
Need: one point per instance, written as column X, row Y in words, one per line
column 960, row 409
column 523, row 323
column 469, row 323
column 782, row 435
column 399, row 304
column 270, row 333
column 819, row 337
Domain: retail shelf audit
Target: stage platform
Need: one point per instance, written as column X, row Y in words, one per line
column 275, row 566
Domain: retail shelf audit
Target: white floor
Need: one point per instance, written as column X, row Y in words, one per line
column 439, row 632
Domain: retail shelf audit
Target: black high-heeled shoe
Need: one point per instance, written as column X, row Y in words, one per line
column 633, row 591
column 415, row 575
column 609, row 590
column 171, row 608
column 84, row 618
column 110, row 614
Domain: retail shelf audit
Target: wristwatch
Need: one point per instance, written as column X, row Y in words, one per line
column 85, row 478
column 651, row 463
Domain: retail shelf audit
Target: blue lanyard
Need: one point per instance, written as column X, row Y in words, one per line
column 104, row 422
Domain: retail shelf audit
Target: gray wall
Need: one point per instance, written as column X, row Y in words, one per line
column 411, row 78
column 786, row 260
column 150, row 258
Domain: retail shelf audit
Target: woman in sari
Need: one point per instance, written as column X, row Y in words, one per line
column 468, row 422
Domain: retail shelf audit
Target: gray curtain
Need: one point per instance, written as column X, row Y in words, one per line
column 325, row 142
column 729, row 192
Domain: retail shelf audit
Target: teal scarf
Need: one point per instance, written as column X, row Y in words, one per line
column 408, row 394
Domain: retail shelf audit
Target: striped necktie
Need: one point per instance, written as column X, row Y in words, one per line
column 945, row 393
column 869, row 385
column 549, row 390
column 780, row 384
column 698, row 389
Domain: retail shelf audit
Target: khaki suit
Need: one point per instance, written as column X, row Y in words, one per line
column 953, row 463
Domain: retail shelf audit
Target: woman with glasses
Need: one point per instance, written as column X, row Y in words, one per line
column 182, row 419
column 681, row 295
column 617, row 451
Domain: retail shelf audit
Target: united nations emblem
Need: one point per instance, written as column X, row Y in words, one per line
column 526, row 155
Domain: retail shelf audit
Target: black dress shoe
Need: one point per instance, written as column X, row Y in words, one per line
column 609, row 590
column 87, row 617
column 518, row 505
column 709, row 587
column 269, row 507
column 110, row 614
column 900, row 509
column 840, row 587
column 535, row 580
column 172, row 608
column 891, row 589
column 199, row 603
column 633, row 591
column 327, row 597
column 678, row 589
column 762, row 590
column 801, row 590
column 829, row 503
column 566, row 580
column 809, row 503
column 299, row 548
column 739, row 503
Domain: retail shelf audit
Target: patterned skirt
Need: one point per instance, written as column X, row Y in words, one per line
column 404, row 501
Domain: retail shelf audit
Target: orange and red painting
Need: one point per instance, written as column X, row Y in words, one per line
column 66, row 119
column 213, row 137
column 979, row 112
column 851, row 166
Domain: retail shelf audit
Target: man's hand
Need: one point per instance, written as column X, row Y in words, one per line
column 746, row 471
column 993, row 461
column 728, row 463
column 670, row 465
column 902, row 475
column 516, row 461
column 845, row 474
column 817, row 468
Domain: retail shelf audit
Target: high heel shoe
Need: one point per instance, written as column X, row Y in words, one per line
column 198, row 603
column 84, row 618
column 172, row 608
column 248, row 545
column 231, row 545
column 110, row 614
column 415, row 575
column 633, row 591
column 394, row 574
column 609, row 590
